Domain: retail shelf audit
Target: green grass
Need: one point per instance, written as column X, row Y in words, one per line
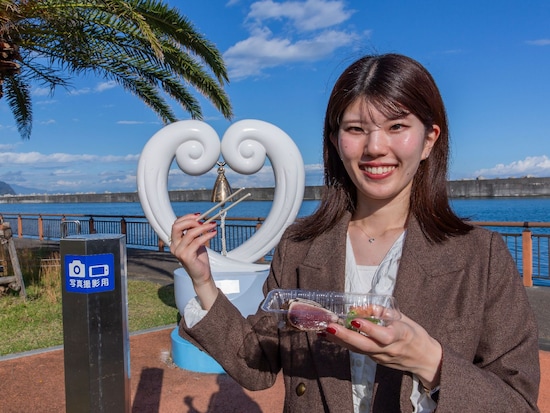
column 37, row 322
column 150, row 305
column 29, row 325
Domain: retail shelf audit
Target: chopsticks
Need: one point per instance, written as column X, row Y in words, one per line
column 223, row 210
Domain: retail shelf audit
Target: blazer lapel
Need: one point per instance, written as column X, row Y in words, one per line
column 323, row 268
column 418, row 282
column 414, row 286
column 421, row 276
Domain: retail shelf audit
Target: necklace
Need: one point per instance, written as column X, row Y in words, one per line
column 371, row 239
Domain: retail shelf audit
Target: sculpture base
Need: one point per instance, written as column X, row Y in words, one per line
column 187, row 356
column 242, row 288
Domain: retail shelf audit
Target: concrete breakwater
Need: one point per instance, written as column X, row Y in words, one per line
column 198, row 195
column 478, row 188
column 488, row 188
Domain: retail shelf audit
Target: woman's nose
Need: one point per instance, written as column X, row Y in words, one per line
column 377, row 144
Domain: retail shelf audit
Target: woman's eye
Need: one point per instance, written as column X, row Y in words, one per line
column 397, row 126
column 354, row 129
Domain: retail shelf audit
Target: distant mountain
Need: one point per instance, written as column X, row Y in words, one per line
column 23, row 190
column 6, row 189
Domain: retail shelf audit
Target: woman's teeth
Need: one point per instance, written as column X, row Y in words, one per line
column 378, row 170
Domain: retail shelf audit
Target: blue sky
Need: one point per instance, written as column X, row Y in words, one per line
column 490, row 59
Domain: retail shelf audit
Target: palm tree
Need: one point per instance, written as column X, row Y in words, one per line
column 150, row 49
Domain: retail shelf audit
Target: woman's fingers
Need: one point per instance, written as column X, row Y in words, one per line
column 403, row 345
column 366, row 337
column 189, row 238
column 187, row 226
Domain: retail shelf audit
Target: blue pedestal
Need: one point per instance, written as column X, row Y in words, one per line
column 186, row 356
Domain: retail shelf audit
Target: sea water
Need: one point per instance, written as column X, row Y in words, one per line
column 482, row 209
column 530, row 210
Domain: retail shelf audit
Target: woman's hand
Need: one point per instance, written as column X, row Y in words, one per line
column 187, row 244
column 403, row 345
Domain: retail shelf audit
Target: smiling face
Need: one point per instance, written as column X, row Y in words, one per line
column 381, row 155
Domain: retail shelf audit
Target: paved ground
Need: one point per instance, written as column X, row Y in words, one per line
column 34, row 382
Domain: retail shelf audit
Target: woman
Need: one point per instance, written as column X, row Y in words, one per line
column 467, row 339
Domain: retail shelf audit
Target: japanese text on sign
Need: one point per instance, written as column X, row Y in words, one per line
column 89, row 273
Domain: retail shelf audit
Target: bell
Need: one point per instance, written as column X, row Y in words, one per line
column 222, row 189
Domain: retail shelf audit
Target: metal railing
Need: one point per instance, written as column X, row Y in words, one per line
column 531, row 251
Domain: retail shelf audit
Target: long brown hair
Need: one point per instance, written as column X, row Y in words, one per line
column 395, row 85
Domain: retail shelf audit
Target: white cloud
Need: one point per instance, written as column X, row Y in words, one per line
column 66, row 184
column 263, row 178
column 36, row 159
column 10, row 128
column 6, row 146
column 307, row 16
column 64, row 172
column 314, row 174
column 263, row 49
column 41, row 91
column 137, row 122
column 539, row 42
column 103, row 86
column 126, row 180
column 78, row 92
column 69, row 173
column 251, row 56
column 46, row 102
column 83, row 173
column 530, row 166
column 99, row 88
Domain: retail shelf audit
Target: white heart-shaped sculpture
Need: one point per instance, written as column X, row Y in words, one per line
column 245, row 147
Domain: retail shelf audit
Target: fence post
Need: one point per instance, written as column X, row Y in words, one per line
column 261, row 260
column 527, row 253
column 64, row 231
column 123, row 226
column 91, row 228
column 19, row 226
column 40, row 228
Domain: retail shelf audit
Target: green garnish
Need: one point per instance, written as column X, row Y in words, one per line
column 353, row 314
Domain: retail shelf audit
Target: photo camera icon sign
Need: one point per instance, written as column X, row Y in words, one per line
column 77, row 269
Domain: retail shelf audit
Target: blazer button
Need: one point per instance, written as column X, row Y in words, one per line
column 300, row 389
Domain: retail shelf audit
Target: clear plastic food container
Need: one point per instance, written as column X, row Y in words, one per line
column 313, row 310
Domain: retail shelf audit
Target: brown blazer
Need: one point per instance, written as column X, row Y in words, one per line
column 466, row 292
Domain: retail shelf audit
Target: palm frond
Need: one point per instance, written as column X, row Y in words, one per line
column 182, row 33
column 18, row 96
column 146, row 46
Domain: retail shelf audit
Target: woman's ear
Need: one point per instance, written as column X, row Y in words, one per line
column 430, row 140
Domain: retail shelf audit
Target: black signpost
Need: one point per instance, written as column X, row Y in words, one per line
column 95, row 323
